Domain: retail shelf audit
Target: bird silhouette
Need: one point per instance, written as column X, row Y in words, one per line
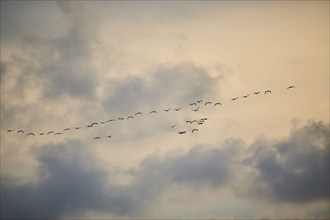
column 130, row 117
column 172, row 126
column 96, row 138
column 177, row 109
column 120, row 118
column 109, row 136
column 58, row 133
column 42, row 133
column 199, row 101
column 182, row 132
column 195, row 109
column 49, row 132
column 167, row 110
column 94, row 123
column 138, row 113
column 30, row 134
column 10, row 130
column 193, row 130
column 206, row 103
column 268, row 91
column 77, row 128
column 20, row 131
column 66, row 129
column 246, row 96
column 103, row 122
column 256, row 93
column 218, row 103
column 153, row 112
column 290, row 87
column 194, row 103
column 234, row 98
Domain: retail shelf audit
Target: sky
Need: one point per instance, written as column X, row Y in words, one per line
column 70, row 69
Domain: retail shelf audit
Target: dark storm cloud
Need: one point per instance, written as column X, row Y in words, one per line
column 295, row 169
column 176, row 85
column 200, row 166
column 68, row 183
column 71, row 181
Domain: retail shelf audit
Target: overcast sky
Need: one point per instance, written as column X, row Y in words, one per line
column 68, row 64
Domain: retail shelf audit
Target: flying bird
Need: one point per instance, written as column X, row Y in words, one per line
column 94, row 123
column 193, row 130
column 166, row 110
column 234, row 98
column 195, row 109
column 109, row 136
column 42, row 133
column 177, row 109
column 246, row 96
column 194, row 103
column 199, row 101
column 120, row 118
column 268, row 91
column 290, row 87
column 208, row 103
column 256, row 93
column 172, row 126
column 96, row 138
column 218, row 103
column 20, row 131
column 30, row 134
column 182, row 132
column 49, row 132
column 138, row 113
column 77, row 128
column 10, row 130
column 58, row 133
column 130, row 117
column 66, row 129
column 153, row 112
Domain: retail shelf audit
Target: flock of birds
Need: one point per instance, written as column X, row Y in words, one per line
column 197, row 105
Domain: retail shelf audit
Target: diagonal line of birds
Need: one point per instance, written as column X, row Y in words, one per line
column 194, row 107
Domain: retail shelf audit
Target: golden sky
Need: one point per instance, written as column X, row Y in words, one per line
column 69, row 64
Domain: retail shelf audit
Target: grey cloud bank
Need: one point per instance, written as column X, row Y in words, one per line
column 296, row 169
column 177, row 84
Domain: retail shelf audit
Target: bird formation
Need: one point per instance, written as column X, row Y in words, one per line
column 131, row 117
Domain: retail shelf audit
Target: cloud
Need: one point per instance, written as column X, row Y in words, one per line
column 200, row 166
column 295, row 169
column 60, row 64
column 175, row 84
column 42, row 72
column 72, row 181
column 3, row 68
column 69, row 182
